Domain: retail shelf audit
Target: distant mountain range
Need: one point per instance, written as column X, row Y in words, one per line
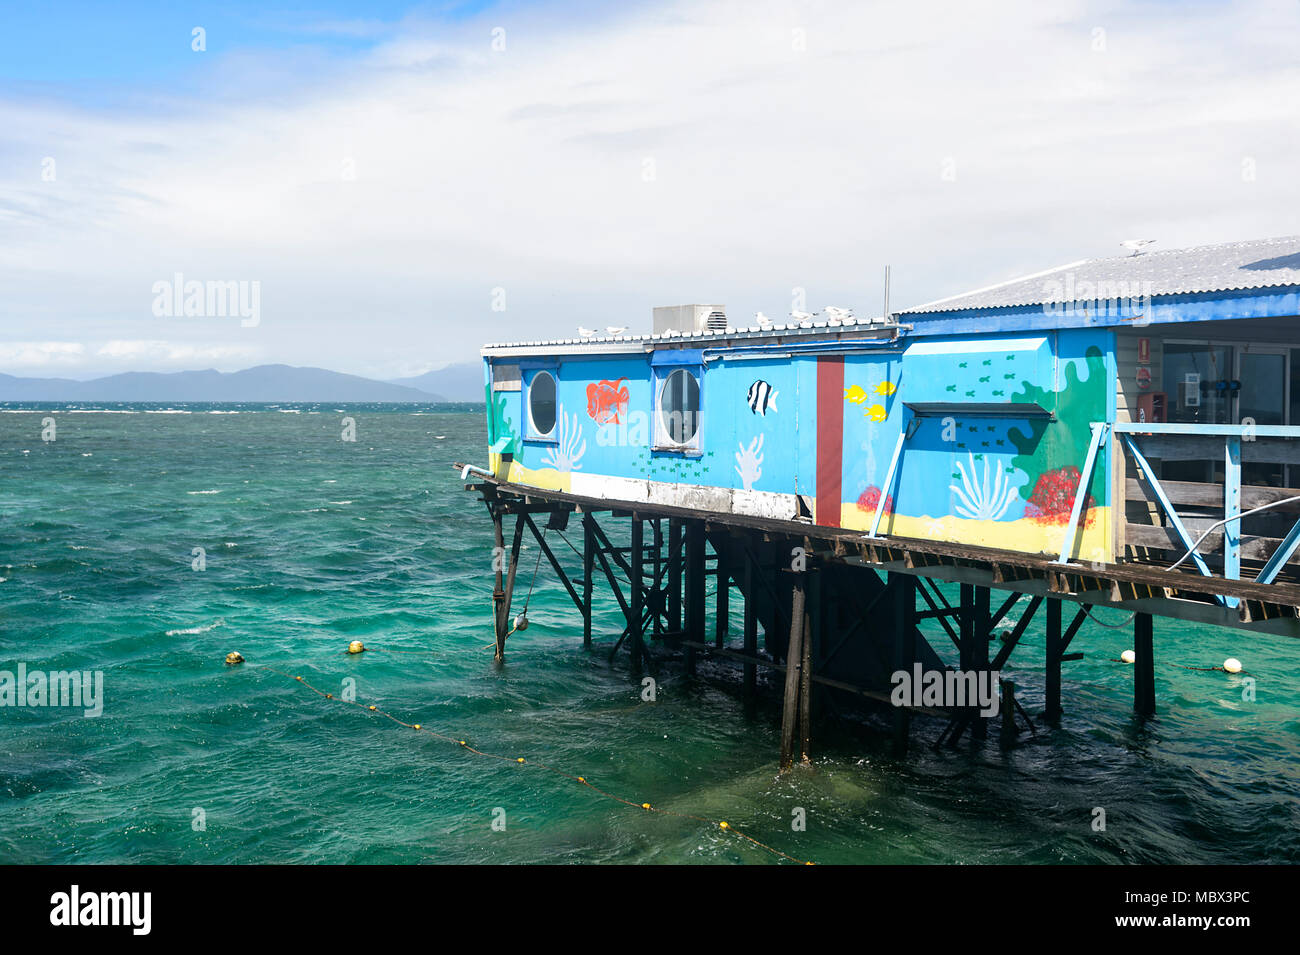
column 462, row 382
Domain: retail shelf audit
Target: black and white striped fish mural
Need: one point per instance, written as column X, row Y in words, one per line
column 762, row 398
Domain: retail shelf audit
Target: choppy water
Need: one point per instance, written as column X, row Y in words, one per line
column 312, row 542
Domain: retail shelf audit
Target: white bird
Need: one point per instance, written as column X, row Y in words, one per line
column 799, row 316
column 763, row 320
column 837, row 314
column 1137, row 245
column 586, row 332
column 616, row 330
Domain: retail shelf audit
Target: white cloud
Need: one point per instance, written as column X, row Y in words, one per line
column 774, row 167
column 40, row 355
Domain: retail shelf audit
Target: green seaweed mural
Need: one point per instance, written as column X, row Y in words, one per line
column 1052, row 453
column 499, row 426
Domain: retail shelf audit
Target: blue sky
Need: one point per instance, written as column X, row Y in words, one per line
column 403, row 182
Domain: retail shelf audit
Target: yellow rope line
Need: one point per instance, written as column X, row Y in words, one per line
column 463, row 744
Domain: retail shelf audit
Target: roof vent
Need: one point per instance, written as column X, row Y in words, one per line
column 689, row 319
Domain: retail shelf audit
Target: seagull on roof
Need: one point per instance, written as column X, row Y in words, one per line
column 616, row 330
column 1137, row 245
column 837, row 314
column 799, row 316
column 586, row 332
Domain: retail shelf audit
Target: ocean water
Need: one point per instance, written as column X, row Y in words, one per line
column 311, row 542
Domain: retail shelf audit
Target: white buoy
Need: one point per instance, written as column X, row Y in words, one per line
column 521, row 622
column 1128, row 656
column 1232, row 665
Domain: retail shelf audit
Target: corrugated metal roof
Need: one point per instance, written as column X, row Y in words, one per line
column 639, row 342
column 1257, row 264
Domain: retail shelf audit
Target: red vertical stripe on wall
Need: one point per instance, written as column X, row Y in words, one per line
column 830, row 439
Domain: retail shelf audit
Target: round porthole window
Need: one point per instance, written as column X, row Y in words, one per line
column 541, row 403
column 679, row 406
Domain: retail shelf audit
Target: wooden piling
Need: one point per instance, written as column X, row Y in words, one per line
column 636, row 598
column 901, row 620
column 810, row 619
column 502, row 597
column 1007, row 707
column 793, row 665
column 695, row 589
column 588, row 564
column 1055, row 649
column 751, row 628
column 675, row 574
column 980, row 653
column 1144, row 666
column 722, row 597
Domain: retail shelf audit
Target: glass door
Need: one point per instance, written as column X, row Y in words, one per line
column 1264, row 378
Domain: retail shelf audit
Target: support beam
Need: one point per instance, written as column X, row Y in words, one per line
column 638, row 594
column 695, row 583
column 901, row 621
column 588, row 562
column 980, row 653
column 751, row 628
column 503, row 597
column 675, row 574
column 555, row 564
column 722, row 597
column 1144, row 666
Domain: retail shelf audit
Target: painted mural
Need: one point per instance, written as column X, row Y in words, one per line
column 994, row 479
column 1010, row 481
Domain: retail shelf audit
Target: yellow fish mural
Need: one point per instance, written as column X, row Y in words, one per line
column 857, row 394
column 886, row 388
column 877, row 413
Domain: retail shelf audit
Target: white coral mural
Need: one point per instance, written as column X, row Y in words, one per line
column 571, row 445
column 982, row 502
column 749, row 462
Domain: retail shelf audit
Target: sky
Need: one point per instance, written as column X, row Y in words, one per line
column 391, row 185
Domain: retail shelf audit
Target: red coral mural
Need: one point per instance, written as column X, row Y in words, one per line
column 1053, row 497
column 867, row 500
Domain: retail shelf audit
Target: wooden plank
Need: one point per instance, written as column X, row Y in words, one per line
column 966, row 555
column 1182, row 447
column 1198, row 494
column 1165, row 538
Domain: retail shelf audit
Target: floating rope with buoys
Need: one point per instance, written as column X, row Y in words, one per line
column 235, row 658
column 1230, row 666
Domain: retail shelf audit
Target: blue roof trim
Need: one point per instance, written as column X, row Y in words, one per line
column 1164, row 309
column 677, row 356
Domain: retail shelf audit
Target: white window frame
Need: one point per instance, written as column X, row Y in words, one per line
column 663, row 441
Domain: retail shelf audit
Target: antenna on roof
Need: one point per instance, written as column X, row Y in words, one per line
column 1137, row 245
column 886, row 311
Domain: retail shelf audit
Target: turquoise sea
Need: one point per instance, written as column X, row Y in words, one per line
column 311, row 542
